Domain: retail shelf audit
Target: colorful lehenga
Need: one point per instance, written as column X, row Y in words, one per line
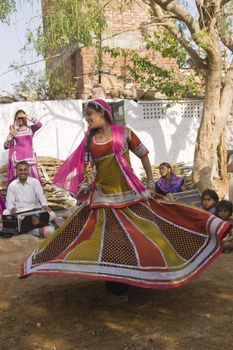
column 119, row 235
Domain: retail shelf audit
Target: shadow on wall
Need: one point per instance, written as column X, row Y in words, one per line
column 170, row 134
column 185, row 133
column 69, row 131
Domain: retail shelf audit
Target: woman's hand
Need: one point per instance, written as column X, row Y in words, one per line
column 48, row 209
column 13, row 210
column 29, row 118
column 83, row 192
column 12, row 130
column 150, row 185
column 183, row 188
column 151, row 191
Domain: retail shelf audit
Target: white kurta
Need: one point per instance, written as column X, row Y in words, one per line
column 27, row 196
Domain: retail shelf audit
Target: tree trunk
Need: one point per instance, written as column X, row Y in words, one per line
column 221, row 185
column 205, row 157
column 222, row 156
column 217, row 107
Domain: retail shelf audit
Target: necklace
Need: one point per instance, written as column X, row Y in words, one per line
column 103, row 137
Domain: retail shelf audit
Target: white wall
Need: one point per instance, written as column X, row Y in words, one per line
column 169, row 134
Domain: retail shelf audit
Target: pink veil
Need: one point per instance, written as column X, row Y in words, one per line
column 119, row 136
column 71, row 174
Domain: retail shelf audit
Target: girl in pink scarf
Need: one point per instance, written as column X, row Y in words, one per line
column 20, row 144
column 119, row 233
column 71, row 174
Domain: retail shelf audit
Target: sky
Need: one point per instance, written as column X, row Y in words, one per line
column 12, row 39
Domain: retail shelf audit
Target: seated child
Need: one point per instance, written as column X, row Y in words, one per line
column 224, row 211
column 209, row 200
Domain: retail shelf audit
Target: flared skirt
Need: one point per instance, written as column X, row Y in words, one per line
column 153, row 244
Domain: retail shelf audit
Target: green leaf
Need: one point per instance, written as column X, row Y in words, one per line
column 6, row 9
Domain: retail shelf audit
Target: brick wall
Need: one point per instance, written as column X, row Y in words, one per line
column 127, row 26
column 113, row 68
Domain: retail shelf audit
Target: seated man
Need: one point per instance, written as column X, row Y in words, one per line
column 25, row 193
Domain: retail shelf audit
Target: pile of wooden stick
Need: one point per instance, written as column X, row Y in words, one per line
column 57, row 199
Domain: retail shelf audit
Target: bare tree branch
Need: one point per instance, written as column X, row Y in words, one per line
column 227, row 41
column 199, row 6
column 196, row 59
column 225, row 36
column 61, row 58
column 182, row 14
column 208, row 39
column 20, row 66
column 224, row 2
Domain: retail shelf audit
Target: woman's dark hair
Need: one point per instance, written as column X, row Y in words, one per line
column 213, row 195
column 224, row 204
column 97, row 108
column 167, row 165
column 88, row 143
column 92, row 132
column 19, row 111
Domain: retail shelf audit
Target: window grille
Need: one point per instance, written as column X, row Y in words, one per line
column 159, row 110
column 153, row 110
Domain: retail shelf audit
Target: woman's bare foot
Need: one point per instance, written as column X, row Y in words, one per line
column 227, row 247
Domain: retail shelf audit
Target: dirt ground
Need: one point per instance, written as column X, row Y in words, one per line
column 61, row 313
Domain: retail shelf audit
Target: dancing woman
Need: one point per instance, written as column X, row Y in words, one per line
column 20, row 144
column 120, row 234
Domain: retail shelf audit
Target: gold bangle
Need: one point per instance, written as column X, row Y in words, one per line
column 150, row 184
